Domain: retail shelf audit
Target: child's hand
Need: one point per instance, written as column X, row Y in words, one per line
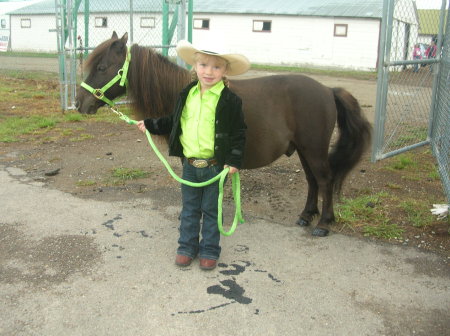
column 232, row 169
column 141, row 126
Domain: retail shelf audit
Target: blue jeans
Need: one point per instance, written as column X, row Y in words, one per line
column 198, row 203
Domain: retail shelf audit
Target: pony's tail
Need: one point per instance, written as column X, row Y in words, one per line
column 355, row 136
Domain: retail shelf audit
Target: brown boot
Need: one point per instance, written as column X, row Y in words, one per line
column 207, row 264
column 182, row 260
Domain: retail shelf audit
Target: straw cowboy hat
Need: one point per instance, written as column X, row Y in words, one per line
column 237, row 64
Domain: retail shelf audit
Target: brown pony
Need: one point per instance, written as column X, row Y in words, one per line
column 284, row 114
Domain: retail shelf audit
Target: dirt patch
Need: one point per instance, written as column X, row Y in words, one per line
column 79, row 158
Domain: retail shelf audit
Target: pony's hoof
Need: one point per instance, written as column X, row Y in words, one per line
column 302, row 222
column 319, row 232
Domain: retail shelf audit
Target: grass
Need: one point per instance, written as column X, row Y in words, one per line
column 28, row 54
column 417, row 213
column 368, row 213
column 124, row 174
column 366, row 75
column 29, row 74
column 12, row 128
column 86, row 183
column 383, row 230
column 406, row 164
column 402, row 162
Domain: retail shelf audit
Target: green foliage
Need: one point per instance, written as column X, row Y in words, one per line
column 359, row 209
column 29, row 54
column 86, row 183
column 326, row 72
column 73, row 117
column 417, row 213
column 383, row 230
column 123, row 174
column 364, row 209
column 13, row 127
column 401, row 162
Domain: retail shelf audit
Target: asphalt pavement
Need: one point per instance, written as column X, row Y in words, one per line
column 71, row 266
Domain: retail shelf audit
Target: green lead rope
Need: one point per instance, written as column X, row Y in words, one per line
column 236, row 183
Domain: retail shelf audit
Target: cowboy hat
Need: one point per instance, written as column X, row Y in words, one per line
column 237, row 64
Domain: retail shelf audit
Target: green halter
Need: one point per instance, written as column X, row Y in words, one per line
column 121, row 75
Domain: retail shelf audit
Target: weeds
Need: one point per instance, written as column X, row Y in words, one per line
column 13, row 127
column 383, row 230
column 417, row 214
column 353, row 213
column 128, row 173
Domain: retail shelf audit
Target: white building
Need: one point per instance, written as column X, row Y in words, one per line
column 5, row 7
column 325, row 33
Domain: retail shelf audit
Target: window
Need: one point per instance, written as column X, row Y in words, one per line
column 147, row 22
column 3, row 23
column 340, row 30
column 201, row 23
column 101, row 22
column 262, row 26
column 25, row 23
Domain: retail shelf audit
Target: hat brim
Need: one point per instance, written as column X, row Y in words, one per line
column 237, row 64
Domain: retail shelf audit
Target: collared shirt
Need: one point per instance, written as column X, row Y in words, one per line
column 197, row 121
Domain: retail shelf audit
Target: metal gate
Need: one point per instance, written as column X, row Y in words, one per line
column 83, row 24
column 413, row 94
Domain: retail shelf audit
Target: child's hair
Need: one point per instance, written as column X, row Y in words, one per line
column 198, row 56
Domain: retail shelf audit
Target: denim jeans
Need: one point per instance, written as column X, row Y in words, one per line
column 198, row 203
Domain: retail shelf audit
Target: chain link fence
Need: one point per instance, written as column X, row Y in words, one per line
column 440, row 131
column 413, row 83
column 82, row 25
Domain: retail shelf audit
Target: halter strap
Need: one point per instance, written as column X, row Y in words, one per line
column 121, row 75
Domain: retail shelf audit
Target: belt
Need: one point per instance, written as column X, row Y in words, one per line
column 201, row 163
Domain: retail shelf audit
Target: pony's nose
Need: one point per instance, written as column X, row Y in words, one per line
column 77, row 104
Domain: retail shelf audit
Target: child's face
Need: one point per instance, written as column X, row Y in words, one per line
column 210, row 70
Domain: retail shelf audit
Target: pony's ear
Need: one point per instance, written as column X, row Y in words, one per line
column 114, row 35
column 124, row 38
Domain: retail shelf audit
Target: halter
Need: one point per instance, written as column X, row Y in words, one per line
column 121, row 75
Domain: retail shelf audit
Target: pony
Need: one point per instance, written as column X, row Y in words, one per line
column 284, row 114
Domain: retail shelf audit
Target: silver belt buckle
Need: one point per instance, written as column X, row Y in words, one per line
column 200, row 163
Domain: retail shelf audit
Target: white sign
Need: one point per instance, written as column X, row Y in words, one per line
column 4, row 42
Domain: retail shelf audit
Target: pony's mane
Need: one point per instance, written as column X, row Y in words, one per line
column 95, row 57
column 154, row 82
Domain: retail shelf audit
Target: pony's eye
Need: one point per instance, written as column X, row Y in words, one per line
column 101, row 67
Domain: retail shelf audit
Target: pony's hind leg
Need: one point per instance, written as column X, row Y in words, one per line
column 319, row 177
column 311, row 209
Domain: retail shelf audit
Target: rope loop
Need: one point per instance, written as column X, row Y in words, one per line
column 236, row 182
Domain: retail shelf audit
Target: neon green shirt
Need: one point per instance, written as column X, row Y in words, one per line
column 197, row 122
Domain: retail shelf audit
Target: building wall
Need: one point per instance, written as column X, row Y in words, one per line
column 293, row 40
column 35, row 38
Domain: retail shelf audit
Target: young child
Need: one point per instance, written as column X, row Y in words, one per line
column 207, row 130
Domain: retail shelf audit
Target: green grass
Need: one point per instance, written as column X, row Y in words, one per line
column 401, row 162
column 359, row 209
column 124, row 174
column 383, row 230
column 357, row 212
column 417, row 213
column 29, row 74
column 28, row 54
column 367, row 75
column 12, row 128
column 73, row 117
column 406, row 164
column 86, row 183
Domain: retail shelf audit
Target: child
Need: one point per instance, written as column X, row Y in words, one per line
column 207, row 130
column 417, row 54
